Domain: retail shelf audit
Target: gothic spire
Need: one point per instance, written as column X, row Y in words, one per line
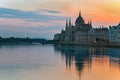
column 66, row 27
column 69, row 22
column 90, row 22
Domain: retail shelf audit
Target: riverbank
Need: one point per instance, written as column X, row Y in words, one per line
column 13, row 40
column 9, row 41
column 116, row 45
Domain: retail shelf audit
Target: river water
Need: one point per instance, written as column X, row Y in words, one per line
column 55, row 62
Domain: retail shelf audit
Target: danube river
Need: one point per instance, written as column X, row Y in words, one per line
column 49, row 62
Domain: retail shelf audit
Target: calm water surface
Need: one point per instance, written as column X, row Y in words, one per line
column 49, row 62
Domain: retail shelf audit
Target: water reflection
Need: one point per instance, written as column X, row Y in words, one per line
column 89, row 57
column 48, row 62
column 114, row 56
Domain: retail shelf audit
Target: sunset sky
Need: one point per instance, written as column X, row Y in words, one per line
column 44, row 18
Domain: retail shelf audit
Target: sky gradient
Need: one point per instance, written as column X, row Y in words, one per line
column 44, row 18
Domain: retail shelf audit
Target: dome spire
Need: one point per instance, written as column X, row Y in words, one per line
column 80, row 13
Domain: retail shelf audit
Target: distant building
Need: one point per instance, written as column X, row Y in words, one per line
column 92, row 35
column 82, row 32
column 57, row 37
column 114, row 34
column 102, row 33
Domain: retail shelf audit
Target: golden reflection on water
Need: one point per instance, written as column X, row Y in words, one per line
column 93, row 63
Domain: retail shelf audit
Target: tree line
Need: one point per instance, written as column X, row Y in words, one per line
column 22, row 40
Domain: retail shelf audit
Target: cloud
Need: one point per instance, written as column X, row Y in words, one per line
column 29, row 15
column 49, row 11
column 40, row 23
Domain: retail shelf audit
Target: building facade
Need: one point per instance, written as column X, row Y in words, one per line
column 102, row 33
column 114, row 34
column 57, row 37
column 82, row 32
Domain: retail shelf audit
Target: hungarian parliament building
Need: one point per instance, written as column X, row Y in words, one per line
column 83, row 32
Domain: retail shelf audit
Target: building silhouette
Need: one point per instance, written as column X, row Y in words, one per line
column 114, row 34
column 81, row 32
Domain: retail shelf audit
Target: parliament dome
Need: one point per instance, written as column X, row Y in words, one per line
column 79, row 20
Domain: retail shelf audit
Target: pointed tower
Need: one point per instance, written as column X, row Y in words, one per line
column 66, row 27
column 90, row 23
column 70, row 22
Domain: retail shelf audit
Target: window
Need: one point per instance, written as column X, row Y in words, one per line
column 111, row 32
column 115, row 27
